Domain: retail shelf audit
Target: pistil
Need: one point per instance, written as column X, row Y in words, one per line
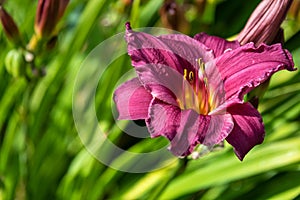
column 204, row 105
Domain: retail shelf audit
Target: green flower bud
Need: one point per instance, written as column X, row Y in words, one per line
column 15, row 63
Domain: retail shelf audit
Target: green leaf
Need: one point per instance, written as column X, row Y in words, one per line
column 228, row 168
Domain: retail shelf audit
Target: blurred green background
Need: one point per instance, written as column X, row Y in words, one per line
column 42, row 157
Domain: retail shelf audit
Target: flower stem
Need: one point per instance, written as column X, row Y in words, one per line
column 160, row 189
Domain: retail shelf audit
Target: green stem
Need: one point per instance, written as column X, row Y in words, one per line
column 161, row 188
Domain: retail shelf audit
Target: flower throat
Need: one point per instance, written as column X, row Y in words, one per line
column 195, row 90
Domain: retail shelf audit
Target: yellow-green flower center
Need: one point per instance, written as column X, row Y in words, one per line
column 196, row 92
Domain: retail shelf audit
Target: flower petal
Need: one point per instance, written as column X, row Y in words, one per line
column 186, row 128
column 187, row 47
column 248, row 130
column 219, row 128
column 247, row 67
column 217, row 44
column 164, row 119
column 163, row 82
column 177, row 51
column 132, row 100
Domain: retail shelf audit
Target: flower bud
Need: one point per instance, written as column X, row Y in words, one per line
column 263, row 26
column 10, row 27
column 200, row 4
column 127, row 2
column 172, row 16
column 48, row 14
column 264, row 23
column 15, row 63
column 294, row 11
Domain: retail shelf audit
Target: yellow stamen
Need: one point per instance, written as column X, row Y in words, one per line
column 196, row 94
column 204, row 105
column 184, row 74
column 191, row 77
column 202, row 69
column 188, row 100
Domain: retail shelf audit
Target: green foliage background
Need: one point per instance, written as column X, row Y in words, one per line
column 42, row 157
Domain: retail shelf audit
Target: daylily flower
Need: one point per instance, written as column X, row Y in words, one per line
column 191, row 90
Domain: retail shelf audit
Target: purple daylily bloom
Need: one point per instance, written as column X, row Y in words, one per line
column 190, row 90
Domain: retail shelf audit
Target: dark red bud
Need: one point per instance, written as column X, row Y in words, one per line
column 49, row 12
column 172, row 16
column 294, row 11
column 264, row 23
column 200, row 4
column 9, row 26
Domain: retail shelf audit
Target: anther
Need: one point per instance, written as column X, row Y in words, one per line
column 191, row 77
column 184, row 74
